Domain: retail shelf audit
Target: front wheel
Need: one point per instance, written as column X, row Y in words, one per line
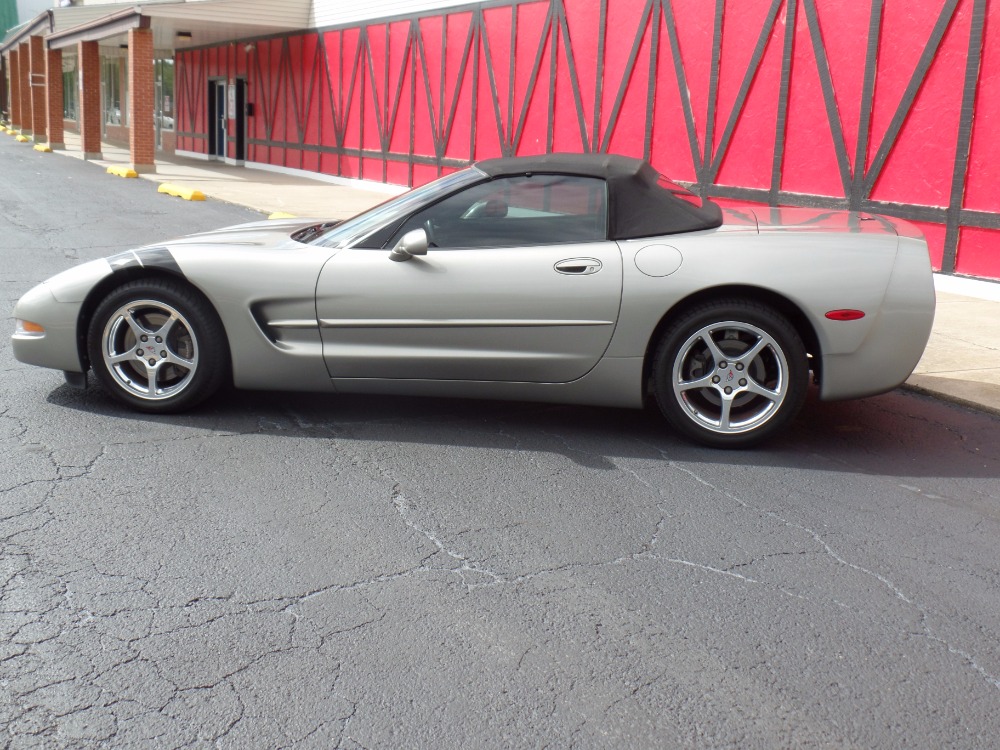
column 157, row 346
column 730, row 374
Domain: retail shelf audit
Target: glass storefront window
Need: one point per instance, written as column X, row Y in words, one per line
column 70, row 89
column 115, row 102
column 163, row 74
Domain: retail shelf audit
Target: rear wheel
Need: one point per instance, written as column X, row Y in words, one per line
column 157, row 346
column 730, row 373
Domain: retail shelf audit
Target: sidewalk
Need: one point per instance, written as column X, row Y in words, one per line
column 962, row 359
column 961, row 363
column 260, row 189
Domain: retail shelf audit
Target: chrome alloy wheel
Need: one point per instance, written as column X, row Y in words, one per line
column 150, row 349
column 730, row 377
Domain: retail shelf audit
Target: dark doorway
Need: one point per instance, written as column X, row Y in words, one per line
column 217, row 119
column 240, row 130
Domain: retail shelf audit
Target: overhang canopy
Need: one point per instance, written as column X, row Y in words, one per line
column 201, row 22
column 213, row 22
column 98, row 29
column 40, row 24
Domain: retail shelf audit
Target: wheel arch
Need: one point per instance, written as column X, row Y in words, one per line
column 119, row 278
column 768, row 297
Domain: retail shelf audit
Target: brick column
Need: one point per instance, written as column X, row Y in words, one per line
column 15, row 89
column 54, row 98
column 37, row 46
column 142, row 136
column 24, row 86
column 89, row 64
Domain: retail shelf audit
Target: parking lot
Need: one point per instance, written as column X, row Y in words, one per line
column 296, row 570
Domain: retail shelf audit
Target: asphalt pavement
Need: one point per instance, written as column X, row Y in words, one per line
column 333, row 571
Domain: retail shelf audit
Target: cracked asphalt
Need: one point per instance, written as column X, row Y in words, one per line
column 294, row 570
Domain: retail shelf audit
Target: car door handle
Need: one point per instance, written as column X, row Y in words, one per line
column 578, row 266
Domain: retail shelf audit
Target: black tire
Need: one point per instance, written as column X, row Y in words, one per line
column 709, row 349
column 148, row 363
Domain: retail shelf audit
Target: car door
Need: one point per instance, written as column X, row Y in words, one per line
column 519, row 284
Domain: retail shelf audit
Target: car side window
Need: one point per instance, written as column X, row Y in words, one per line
column 541, row 209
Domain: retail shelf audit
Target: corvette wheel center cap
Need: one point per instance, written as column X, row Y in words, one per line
column 729, row 378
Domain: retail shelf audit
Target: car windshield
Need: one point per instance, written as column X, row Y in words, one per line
column 356, row 229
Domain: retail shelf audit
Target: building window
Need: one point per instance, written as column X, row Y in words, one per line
column 71, row 92
column 115, row 102
column 163, row 75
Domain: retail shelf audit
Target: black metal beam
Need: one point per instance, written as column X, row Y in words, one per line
column 741, row 97
column 829, row 96
column 909, row 96
column 959, row 174
column 777, row 158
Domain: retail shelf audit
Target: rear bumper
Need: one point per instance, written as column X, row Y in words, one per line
column 897, row 337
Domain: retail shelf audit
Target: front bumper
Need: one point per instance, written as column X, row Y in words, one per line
column 55, row 304
column 57, row 347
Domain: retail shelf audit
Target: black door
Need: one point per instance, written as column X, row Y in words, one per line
column 241, row 123
column 217, row 119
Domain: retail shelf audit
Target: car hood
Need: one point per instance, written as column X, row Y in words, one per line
column 276, row 234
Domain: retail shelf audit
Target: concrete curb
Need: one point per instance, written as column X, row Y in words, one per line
column 188, row 194
column 43, row 148
column 952, row 398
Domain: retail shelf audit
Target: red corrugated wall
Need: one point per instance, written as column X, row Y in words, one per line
column 879, row 105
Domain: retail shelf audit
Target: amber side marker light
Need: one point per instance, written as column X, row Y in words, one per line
column 27, row 328
column 845, row 314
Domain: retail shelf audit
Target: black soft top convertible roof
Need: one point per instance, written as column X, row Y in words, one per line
column 638, row 204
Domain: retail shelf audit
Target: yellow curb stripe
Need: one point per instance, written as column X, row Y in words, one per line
column 122, row 171
column 21, row 139
column 179, row 191
column 282, row 215
column 44, row 148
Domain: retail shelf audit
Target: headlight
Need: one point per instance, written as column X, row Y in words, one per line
column 27, row 329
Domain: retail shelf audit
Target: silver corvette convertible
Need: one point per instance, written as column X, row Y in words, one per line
column 563, row 278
